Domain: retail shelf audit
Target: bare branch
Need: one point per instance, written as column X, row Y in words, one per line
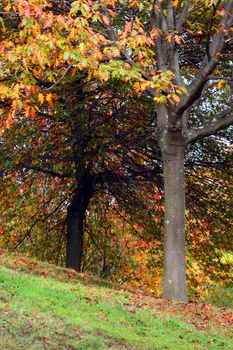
column 216, row 48
column 220, row 77
column 60, row 79
column 224, row 120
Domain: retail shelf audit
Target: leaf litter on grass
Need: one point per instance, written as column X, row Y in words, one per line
column 109, row 319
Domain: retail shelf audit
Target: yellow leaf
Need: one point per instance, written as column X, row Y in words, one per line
column 220, row 84
column 137, row 86
column 4, row 90
column 115, row 52
column 40, row 98
column 175, row 3
column 48, row 97
column 106, row 20
column 82, row 47
column 160, row 99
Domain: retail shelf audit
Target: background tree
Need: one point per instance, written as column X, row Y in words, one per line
column 96, row 145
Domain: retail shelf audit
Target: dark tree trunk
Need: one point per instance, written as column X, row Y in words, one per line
column 174, row 243
column 75, row 220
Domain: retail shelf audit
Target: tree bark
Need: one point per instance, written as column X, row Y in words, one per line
column 76, row 212
column 174, row 287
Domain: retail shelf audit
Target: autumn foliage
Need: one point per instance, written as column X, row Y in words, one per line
column 108, row 108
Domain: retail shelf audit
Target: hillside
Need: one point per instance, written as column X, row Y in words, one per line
column 46, row 307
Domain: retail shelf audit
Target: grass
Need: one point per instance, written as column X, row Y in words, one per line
column 44, row 307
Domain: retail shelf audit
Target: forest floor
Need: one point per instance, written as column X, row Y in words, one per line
column 47, row 307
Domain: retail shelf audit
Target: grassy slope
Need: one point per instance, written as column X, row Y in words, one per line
column 44, row 307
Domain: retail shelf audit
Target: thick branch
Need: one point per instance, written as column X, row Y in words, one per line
column 225, row 120
column 215, row 7
column 158, row 22
column 180, row 19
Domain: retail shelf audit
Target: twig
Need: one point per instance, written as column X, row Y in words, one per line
column 60, row 79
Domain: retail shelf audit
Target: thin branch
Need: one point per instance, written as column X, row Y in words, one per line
column 60, row 79
column 44, row 171
column 28, row 233
column 215, row 7
column 220, row 77
column 111, row 177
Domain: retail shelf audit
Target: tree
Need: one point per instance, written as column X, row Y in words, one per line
column 173, row 51
column 97, row 144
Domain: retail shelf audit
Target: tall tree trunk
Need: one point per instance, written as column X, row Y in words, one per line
column 76, row 212
column 174, row 242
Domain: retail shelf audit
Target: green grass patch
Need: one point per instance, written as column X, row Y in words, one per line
column 40, row 312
